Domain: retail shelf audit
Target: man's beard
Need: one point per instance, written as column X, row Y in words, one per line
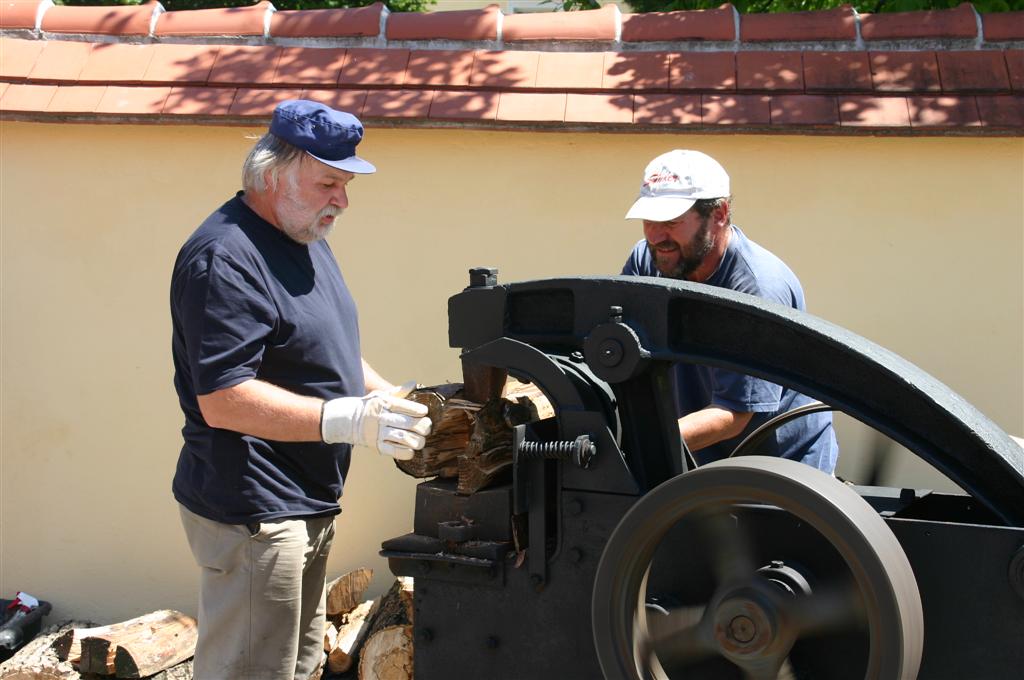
column 691, row 256
column 313, row 231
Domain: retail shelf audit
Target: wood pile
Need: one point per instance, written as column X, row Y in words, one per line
column 372, row 638
column 469, row 440
column 364, row 639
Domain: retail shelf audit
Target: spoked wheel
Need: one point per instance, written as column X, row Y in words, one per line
column 757, row 568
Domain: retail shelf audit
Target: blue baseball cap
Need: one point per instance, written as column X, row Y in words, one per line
column 325, row 134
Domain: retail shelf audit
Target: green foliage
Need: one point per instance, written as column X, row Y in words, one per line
column 170, row 5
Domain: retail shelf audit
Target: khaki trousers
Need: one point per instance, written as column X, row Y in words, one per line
column 261, row 597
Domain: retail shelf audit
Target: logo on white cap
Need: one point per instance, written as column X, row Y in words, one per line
column 674, row 181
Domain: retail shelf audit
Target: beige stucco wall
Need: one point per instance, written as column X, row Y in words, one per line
column 914, row 243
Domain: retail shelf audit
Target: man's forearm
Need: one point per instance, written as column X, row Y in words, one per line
column 263, row 410
column 373, row 379
column 711, row 425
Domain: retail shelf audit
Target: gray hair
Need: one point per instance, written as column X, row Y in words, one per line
column 705, row 206
column 270, row 154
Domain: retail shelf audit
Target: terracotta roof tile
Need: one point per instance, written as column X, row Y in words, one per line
column 769, row 71
column 18, row 57
column 505, row 69
column 532, row 107
column 71, row 99
column 199, row 101
column 891, row 112
column 703, row 71
column 939, row 112
column 837, row 72
column 593, row 24
column 346, row 22
column 709, row 24
column 636, row 70
column 368, row 66
column 116, row 63
column 245, row 65
column 61, row 60
column 833, row 24
column 667, row 109
column 29, row 98
column 739, row 109
column 308, row 65
column 350, row 101
column 796, row 86
column 471, row 24
column 1001, row 112
column 139, row 101
column 570, row 70
column 464, row 106
column 439, row 67
column 599, row 108
column 19, row 13
column 1015, row 65
column 905, row 71
column 804, row 109
column 220, row 21
column 984, row 70
column 940, row 23
column 1000, row 26
column 260, row 102
column 102, row 20
column 397, row 103
column 181, row 64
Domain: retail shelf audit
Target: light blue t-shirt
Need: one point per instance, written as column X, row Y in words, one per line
column 748, row 268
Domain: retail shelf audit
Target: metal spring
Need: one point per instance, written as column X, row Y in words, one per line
column 581, row 451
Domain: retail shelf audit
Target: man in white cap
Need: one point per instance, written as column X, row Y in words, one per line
column 270, row 377
column 684, row 203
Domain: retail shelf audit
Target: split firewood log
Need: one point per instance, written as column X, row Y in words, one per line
column 139, row 647
column 330, row 636
column 38, row 660
column 346, row 591
column 451, row 416
column 387, row 655
column 351, row 635
column 469, row 440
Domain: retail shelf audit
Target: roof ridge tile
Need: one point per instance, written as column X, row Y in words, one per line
column 121, row 20
column 23, row 14
column 830, row 25
column 959, row 22
column 327, row 23
column 1003, row 26
column 709, row 24
column 468, row 24
column 236, row 21
column 591, row 24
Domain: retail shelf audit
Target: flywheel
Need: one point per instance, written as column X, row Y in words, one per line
column 759, row 569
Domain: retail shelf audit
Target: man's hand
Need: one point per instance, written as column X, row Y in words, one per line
column 381, row 420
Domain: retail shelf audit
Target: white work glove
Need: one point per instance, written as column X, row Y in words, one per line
column 381, row 420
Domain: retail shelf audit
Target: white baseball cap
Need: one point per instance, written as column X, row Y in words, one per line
column 674, row 181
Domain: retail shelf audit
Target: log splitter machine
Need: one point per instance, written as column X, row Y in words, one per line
column 610, row 555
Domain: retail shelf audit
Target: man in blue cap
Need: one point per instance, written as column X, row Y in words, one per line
column 270, row 376
column 684, row 204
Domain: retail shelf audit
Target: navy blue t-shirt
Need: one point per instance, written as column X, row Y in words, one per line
column 249, row 302
column 748, row 268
